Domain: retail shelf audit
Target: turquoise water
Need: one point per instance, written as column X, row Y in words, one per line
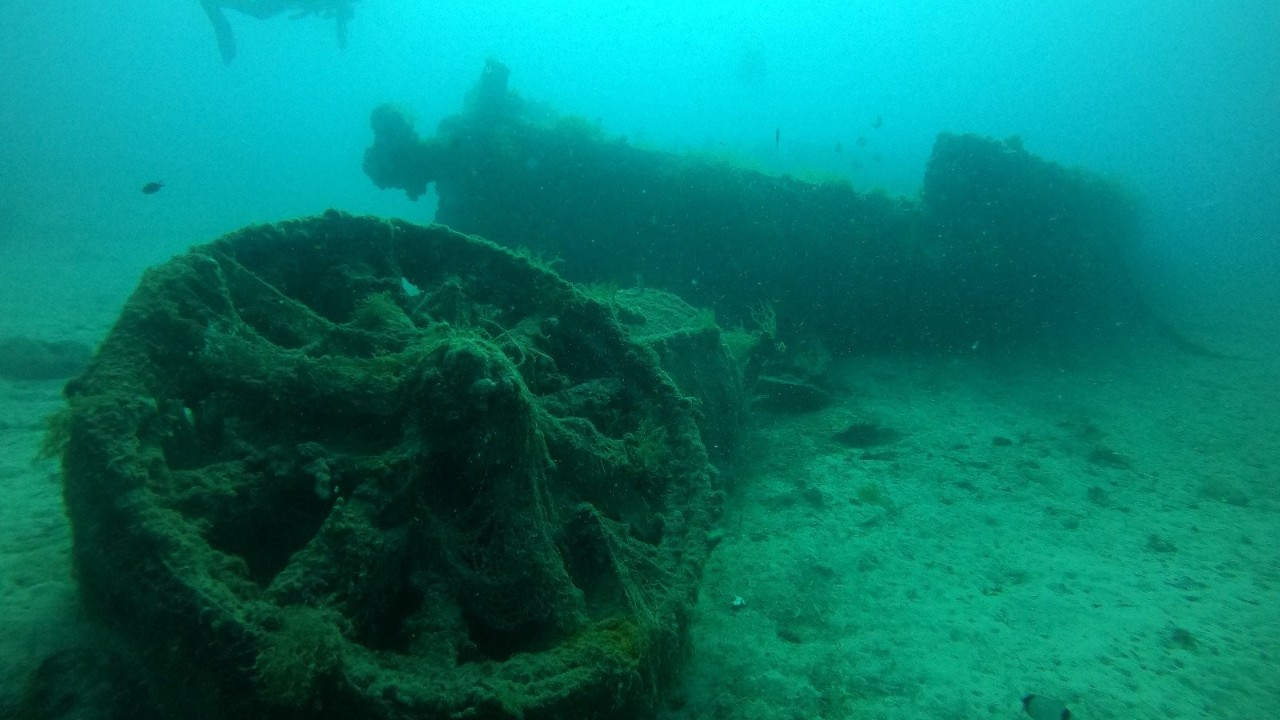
column 1099, row 528
column 103, row 97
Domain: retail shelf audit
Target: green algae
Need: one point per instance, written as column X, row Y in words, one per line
column 343, row 466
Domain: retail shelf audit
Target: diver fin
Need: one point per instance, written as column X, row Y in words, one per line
column 221, row 30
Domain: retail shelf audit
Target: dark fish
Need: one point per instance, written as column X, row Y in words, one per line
column 877, row 122
column 152, row 188
column 839, row 146
column 1044, row 708
column 777, row 137
column 861, row 141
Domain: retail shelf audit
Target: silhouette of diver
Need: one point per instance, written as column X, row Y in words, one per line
column 337, row 10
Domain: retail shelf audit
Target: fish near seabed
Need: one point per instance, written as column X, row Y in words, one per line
column 1040, row 707
column 152, row 188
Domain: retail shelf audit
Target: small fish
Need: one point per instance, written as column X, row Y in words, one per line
column 877, row 122
column 152, row 188
column 861, row 141
column 839, row 146
column 777, row 138
column 1040, row 707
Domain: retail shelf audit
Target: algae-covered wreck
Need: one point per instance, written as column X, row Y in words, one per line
column 343, row 467
column 1000, row 246
column 347, row 467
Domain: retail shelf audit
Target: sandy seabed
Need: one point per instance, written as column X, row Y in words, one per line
column 1103, row 529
